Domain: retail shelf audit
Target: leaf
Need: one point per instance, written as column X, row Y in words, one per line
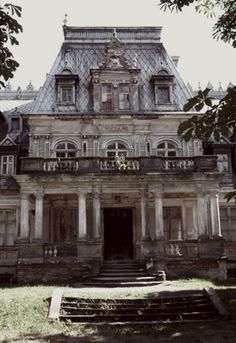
column 208, row 102
column 199, row 106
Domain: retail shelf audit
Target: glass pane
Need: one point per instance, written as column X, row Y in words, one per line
column 124, row 88
column 161, row 146
column 10, row 216
column 160, row 153
column 70, row 146
column 223, row 212
column 233, row 211
column 170, row 146
column 171, row 153
column 111, row 146
column 121, row 146
column 122, row 153
column 71, row 154
column 61, row 146
column 111, row 153
column 106, row 88
column 2, row 215
column 60, row 154
column 163, row 95
column 66, row 94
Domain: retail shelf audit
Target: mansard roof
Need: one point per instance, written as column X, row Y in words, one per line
column 85, row 48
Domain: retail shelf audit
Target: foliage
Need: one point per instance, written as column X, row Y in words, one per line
column 219, row 119
column 24, row 310
column 224, row 28
column 9, row 27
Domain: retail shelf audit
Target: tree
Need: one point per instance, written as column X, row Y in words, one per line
column 219, row 119
column 9, row 27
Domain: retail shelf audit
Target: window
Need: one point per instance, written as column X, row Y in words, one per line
column 115, row 97
column 67, row 94
column 15, row 124
column 66, row 85
column 7, row 227
column 66, row 150
column 116, row 149
column 228, row 221
column 163, row 84
column 7, row 165
column 124, row 97
column 107, row 97
column 166, row 149
column 163, row 95
column 172, row 223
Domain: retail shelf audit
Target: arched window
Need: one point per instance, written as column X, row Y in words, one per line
column 166, row 149
column 116, row 149
column 66, row 150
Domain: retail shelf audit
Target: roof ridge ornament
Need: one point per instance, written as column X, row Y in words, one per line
column 65, row 20
column 114, row 33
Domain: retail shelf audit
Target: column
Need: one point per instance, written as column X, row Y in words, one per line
column 202, row 215
column 38, row 216
column 82, row 222
column 159, row 229
column 24, row 217
column 215, row 215
column 144, row 214
column 96, row 215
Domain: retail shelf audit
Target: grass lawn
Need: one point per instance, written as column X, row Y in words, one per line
column 23, row 317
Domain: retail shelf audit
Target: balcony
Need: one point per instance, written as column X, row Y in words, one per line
column 130, row 165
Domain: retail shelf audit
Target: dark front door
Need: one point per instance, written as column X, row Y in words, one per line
column 118, row 233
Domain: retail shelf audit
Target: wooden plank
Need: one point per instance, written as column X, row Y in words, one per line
column 217, row 302
column 54, row 310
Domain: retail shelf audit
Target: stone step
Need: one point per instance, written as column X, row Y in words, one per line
column 186, row 306
column 124, row 278
column 113, row 273
column 122, row 284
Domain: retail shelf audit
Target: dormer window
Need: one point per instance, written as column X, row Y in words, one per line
column 163, row 87
column 116, row 80
column 15, row 124
column 66, row 95
column 66, row 84
column 163, row 94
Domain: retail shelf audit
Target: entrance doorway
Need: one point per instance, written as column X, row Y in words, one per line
column 118, row 233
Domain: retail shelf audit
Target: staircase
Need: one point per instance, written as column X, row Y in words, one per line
column 192, row 307
column 124, row 273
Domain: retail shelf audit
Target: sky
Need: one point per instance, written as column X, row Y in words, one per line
column 186, row 34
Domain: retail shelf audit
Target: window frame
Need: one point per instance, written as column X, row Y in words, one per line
column 166, row 149
column 5, row 231
column 117, row 151
column 66, row 150
column 7, row 167
column 66, row 81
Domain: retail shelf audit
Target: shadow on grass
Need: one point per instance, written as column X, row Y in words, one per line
column 211, row 332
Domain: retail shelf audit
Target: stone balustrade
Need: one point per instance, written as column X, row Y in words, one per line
column 50, row 251
column 98, row 165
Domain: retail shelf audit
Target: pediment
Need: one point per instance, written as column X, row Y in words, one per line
column 7, row 141
column 114, row 55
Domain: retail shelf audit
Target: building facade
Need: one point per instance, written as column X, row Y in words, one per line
column 103, row 174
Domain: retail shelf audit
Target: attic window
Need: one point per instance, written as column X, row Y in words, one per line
column 66, row 88
column 163, row 94
column 163, row 84
column 15, row 124
column 66, row 94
